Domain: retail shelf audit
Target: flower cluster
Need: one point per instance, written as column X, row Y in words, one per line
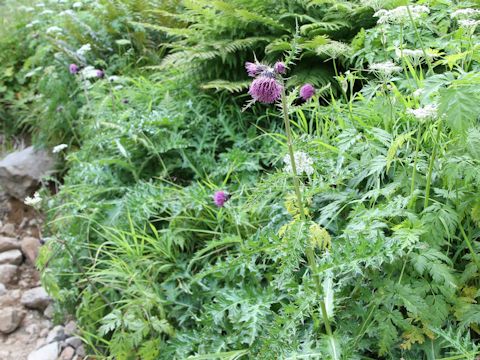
column 427, row 112
column 33, row 201
column 385, row 68
column 334, row 49
column 465, row 13
column 303, row 163
column 220, row 198
column 469, row 23
column 415, row 54
column 58, row 148
column 400, row 14
column 265, row 88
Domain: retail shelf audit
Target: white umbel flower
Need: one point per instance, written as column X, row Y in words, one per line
column 53, row 29
column 33, row 201
column 84, row 49
column 89, row 72
column 400, row 14
column 468, row 23
column 59, row 148
column 302, row 161
column 385, row 68
column 427, row 112
column 465, row 13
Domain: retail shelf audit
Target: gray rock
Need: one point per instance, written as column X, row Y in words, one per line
column 47, row 352
column 8, row 229
column 3, row 289
column 36, row 298
column 67, row 353
column 56, row 334
column 49, row 311
column 81, row 351
column 8, row 274
column 74, row 341
column 8, row 243
column 70, row 328
column 21, row 171
column 13, row 257
column 30, row 248
column 10, row 318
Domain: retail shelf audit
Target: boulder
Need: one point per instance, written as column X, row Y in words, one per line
column 10, row 318
column 47, row 352
column 30, row 248
column 3, row 289
column 8, row 229
column 36, row 298
column 70, row 328
column 8, row 243
column 21, row 171
column 13, row 257
column 8, row 274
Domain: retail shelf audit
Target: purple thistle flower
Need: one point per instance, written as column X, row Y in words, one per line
column 73, row 69
column 220, row 198
column 279, row 67
column 252, row 69
column 100, row 74
column 307, row 91
column 265, row 89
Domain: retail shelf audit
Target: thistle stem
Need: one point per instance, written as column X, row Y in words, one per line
column 296, row 183
column 430, row 165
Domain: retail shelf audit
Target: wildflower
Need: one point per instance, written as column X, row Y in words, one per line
column 468, row 23
column 84, row 49
column 280, row 67
column 418, row 93
column 303, row 163
column 59, row 148
column 31, row 24
column 334, row 49
column 307, row 91
column 266, row 89
column 252, row 69
column 400, row 14
column 113, row 78
column 77, row 5
column 220, row 198
column 33, row 201
column 53, row 29
column 100, row 74
column 89, row 72
column 73, row 68
column 427, row 112
column 46, row 12
column 465, row 13
column 385, row 68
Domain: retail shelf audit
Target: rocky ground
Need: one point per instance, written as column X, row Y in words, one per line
column 27, row 330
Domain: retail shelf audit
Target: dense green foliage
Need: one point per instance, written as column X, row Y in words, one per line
column 152, row 269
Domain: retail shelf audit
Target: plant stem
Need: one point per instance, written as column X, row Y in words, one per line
column 470, row 247
column 414, row 173
column 430, row 165
column 296, row 183
column 427, row 59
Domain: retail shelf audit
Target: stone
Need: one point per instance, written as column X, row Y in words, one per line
column 74, row 342
column 21, row 171
column 47, row 352
column 13, row 257
column 81, row 351
column 70, row 328
column 8, row 243
column 31, row 329
column 56, row 334
column 8, row 274
column 30, row 248
column 10, row 318
column 8, row 229
column 49, row 311
column 36, row 298
column 3, row 289
column 67, row 353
